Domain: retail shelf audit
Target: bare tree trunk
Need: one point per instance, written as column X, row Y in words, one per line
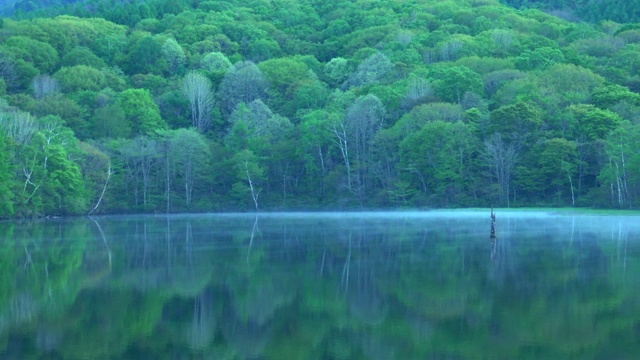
column 341, row 141
column 253, row 234
column 625, row 186
column 104, row 189
column 254, row 193
column 573, row 197
column 104, row 240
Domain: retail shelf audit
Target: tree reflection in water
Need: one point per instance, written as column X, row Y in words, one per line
column 320, row 286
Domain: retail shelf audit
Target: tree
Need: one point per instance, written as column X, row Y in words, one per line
column 438, row 156
column 311, row 94
column 557, row 160
column 197, row 88
column 141, row 111
column 140, row 156
column 8, row 71
column 621, row 173
column 250, row 173
column 81, row 55
column 372, row 70
column 423, row 114
column 364, row 118
column 215, row 65
column 214, row 62
column 44, row 85
column 190, row 154
column 315, row 140
column 63, row 191
column 337, row 71
column 572, row 84
column 610, row 95
column 6, row 176
column 539, row 59
column 501, row 158
column 284, row 76
column 17, row 74
column 494, row 80
column 263, row 49
column 258, row 122
column 418, row 91
column 518, row 122
column 40, row 54
column 51, row 183
column 64, row 107
column 96, row 173
column 244, row 82
column 175, row 108
column 145, row 56
column 593, row 123
column 80, row 77
column 451, row 83
column 173, row 54
column 19, row 127
column 109, row 121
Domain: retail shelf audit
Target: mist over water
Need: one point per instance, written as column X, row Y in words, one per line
column 355, row 285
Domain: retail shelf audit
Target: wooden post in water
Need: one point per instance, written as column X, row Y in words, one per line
column 493, row 224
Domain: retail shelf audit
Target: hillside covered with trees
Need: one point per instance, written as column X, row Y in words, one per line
column 167, row 106
column 585, row 10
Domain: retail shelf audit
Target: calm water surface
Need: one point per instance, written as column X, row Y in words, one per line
column 428, row 285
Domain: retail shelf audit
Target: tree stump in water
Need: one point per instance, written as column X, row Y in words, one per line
column 493, row 224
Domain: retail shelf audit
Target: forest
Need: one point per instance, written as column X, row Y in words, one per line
column 194, row 106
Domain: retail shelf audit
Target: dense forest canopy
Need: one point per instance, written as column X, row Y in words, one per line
column 593, row 11
column 585, row 10
column 130, row 106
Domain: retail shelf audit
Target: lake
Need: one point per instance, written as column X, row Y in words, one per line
column 401, row 285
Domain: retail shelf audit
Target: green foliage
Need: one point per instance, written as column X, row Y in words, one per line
column 554, row 173
column 451, row 83
column 374, row 69
column 80, row 77
column 67, row 109
column 141, row 113
column 244, row 82
column 63, row 192
column 82, row 56
column 190, row 158
column 250, row 175
column 337, row 71
column 215, row 64
column 145, row 56
column 593, row 11
column 573, row 84
column 173, row 54
column 610, row 95
column 40, row 54
column 436, row 159
column 109, row 121
column 6, row 178
column 323, row 94
column 65, row 32
column 517, row 121
column 594, row 123
column 538, row 59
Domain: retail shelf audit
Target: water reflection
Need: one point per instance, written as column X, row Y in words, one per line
column 320, row 286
